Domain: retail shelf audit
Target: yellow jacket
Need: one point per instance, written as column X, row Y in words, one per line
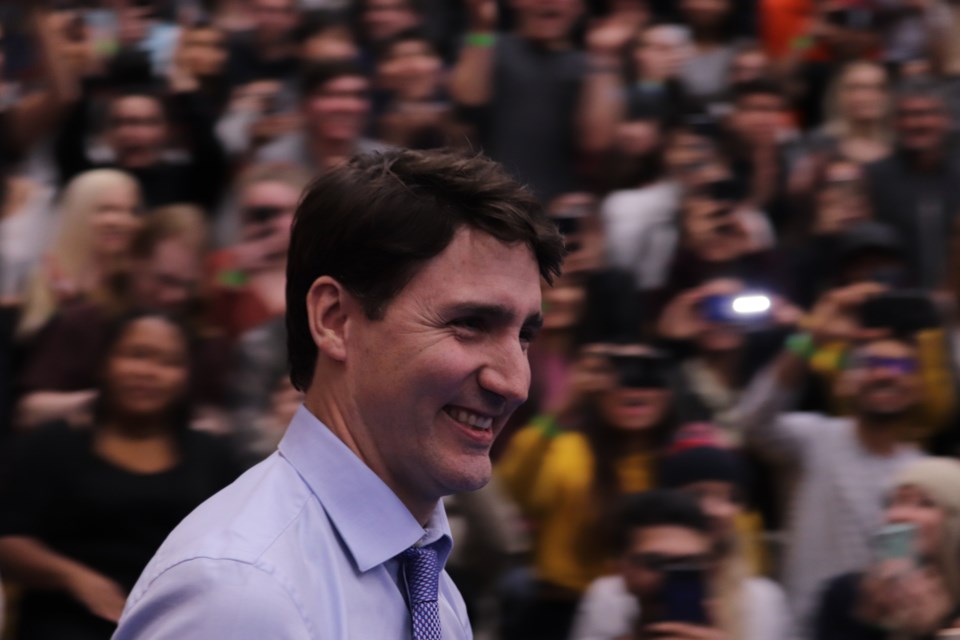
column 549, row 474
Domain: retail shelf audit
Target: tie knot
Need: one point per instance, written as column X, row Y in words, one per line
column 421, row 567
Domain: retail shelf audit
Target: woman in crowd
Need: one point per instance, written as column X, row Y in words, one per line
column 83, row 510
column 913, row 589
column 97, row 221
column 567, row 471
column 857, row 125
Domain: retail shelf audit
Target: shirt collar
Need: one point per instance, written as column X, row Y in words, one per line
column 373, row 523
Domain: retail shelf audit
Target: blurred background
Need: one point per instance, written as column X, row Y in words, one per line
column 743, row 421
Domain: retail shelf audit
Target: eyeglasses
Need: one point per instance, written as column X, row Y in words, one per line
column 661, row 562
column 899, row 365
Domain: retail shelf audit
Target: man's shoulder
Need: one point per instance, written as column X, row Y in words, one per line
column 243, row 523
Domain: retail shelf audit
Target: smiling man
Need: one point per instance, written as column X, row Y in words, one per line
column 413, row 291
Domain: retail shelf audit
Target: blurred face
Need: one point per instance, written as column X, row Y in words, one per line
column 114, row 220
column 137, row 130
column 863, row 93
column 748, row 66
column 333, row 44
column 922, row 124
column 411, row 69
column 148, row 368
column 721, row 503
column 758, row 117
column 661, row 53
column 912, row 505
column 686, row 153
column 267, row 208
column 633, row 406
column 562, row 305
column 709, row 14
column 886, row 379
column 274, row 19
column 712, row 224
column 651, row 548
column 547, row 21
column 204, row 52
column 842, row 200
column 383, row 19
column 169, row 279
column 338, row 110
column 437, row 377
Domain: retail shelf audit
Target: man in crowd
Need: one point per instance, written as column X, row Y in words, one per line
column 915, row 188
column 841, row 466
column 413, row 286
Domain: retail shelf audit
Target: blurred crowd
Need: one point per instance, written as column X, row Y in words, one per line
column 743, row 420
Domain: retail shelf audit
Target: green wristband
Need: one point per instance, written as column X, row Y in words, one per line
column 481, row 39
column 801, row 43
column 801, row 345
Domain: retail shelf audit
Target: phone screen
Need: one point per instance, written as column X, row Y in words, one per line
column 684, row 596
column 895, row 542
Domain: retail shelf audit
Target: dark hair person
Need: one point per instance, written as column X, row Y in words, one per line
column 567, row 472
column 413, row 292
column 82, row 510
column 374, row 250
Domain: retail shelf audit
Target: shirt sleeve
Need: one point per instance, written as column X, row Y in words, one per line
column 607, row 610
column 206, row 598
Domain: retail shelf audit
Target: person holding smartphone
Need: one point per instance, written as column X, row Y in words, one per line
column 666, row 555
column 839, row 466
column 912, row 589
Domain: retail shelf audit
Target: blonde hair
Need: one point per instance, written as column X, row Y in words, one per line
column 73, row 246
column 836, row 122
column 939, row 478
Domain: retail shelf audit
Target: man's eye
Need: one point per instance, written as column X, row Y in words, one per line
column 470, row 323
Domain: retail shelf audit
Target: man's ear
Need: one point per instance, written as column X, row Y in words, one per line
column 328, row 310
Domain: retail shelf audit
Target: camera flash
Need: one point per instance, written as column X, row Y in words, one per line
column 750, row 305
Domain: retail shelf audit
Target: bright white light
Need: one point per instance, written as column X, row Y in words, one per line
column 751, row 305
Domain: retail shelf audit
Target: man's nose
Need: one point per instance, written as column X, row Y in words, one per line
column 507, row 374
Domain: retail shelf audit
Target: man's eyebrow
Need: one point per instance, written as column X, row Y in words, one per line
column 495, row 311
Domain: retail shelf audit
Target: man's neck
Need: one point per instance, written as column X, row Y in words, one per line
column 325, row 403
column 879, row 438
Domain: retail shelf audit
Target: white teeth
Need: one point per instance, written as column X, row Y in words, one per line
column 474, row 420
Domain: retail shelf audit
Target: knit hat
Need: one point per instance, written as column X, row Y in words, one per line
column 939, row 478
column 698, row 455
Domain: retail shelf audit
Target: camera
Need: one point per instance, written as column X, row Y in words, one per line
column 641, row 371
column 902, row 311
column 746, row 310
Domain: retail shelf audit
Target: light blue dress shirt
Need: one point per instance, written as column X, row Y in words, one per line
column 301, row 546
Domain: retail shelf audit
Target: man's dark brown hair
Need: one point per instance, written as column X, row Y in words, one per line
column 373, row 222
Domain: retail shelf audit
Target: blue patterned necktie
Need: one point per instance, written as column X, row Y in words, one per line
column 421, row 572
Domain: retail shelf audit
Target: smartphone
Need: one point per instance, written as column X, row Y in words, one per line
column 647, row 371
column 746, row 310
column 902, row 311
column 683, row 595
column 895, row 542
column 725, row 190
